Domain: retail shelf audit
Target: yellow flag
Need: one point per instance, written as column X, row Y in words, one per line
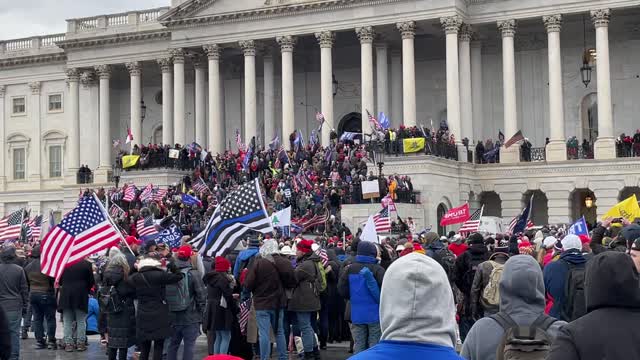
column 129, row 161
column 412, row 145
column 627, row 209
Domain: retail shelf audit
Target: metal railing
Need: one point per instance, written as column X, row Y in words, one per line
column 533, row 154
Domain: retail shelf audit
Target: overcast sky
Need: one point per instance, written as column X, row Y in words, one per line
column 24, row 18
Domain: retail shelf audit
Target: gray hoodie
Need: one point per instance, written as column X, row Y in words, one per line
column 521, row 297
column 416, row 302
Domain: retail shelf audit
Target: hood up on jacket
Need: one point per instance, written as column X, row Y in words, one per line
column 522, row 287
column 8, row 255
column 416, row 302
column 611, row 280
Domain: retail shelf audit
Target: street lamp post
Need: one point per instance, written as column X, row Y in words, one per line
column 116, row 173
column 378, row 155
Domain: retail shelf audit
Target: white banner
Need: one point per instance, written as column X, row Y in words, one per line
column 281, row 218
column 370, row 189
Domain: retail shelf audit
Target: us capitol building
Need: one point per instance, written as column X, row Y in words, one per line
column 200, row 69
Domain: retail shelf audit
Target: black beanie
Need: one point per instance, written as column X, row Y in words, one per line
column 476, row 238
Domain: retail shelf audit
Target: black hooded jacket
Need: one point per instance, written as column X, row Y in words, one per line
column 609, row 330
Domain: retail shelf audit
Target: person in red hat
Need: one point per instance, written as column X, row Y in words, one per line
column 219, row 316
column 131, row 251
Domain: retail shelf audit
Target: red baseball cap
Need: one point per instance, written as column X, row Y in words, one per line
column 132, row 240
column 184, row 252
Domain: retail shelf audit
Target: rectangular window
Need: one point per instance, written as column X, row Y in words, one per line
column 19, row 164
column 55, row 161
column 55, row 103
column 19, row 105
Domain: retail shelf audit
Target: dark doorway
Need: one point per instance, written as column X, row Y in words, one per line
column 351, row 122
column 442, row 209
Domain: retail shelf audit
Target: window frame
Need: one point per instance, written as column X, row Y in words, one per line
column 13, row 164
column 13, row 99
column 50, row 154
column 55, row 111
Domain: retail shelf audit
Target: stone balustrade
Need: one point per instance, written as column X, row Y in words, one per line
column 121, row 22
column 30, row 46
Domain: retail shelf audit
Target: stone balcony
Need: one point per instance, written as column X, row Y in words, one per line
column 32, row 46
column 104, row 25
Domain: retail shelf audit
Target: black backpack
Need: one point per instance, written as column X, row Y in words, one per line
column 447, row 259
column 109, row 300
column 574, row 305
column 467, row 277
column 531, row 342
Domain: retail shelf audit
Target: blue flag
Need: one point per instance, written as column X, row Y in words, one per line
column 384, row 120
column 579, row 227
column 190, row 200
column 172, row 236
column 521, row 225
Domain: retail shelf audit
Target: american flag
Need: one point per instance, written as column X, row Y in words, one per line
column 239, row 141
column 522, row 222
column 200, row 186
column 85, row 231
column 146, row 193
column 319, row 117
column 115, row 211
column 316, row 220
column 514, row 221
column 324, row 257
column 11, row 225
column 129, row 193
column 382, row 221
column 146, row 226
column 473, row 223
column 159, row 194
column 34, row 228
column 241, row 211
column 373, row 121
column 514, row 139
column 243, row 315
column 116, row 195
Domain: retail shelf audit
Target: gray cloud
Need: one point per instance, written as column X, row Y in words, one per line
column 24, row 18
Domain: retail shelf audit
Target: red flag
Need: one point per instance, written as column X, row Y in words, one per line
column 456, row 215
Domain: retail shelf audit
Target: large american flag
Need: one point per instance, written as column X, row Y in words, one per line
column 514, row 221
column 315, row 220
column 200, row 186
column 373, row 121
column 240, row 212
column 146, row 226
column 514, row 139
column 85, row 231
column 129, row 193
column 146, row 193
column 11, row 225
column 473, row 223
column 382, row 221
column 34, row 228
column 159, row 194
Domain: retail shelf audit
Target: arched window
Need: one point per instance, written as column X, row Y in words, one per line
column 442, row 209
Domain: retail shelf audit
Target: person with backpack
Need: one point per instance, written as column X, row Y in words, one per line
column 360, row 284
column 609, row 329
column 438, row 251
column 465, row 271
column 186, row 301
column 521, row 309
column 267, row 279
column 485, row 291
column 417, row 313
column 305, row 301
column 564, row 281
column 117, row 302
column 43, row 303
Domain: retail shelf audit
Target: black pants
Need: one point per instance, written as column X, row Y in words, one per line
column 145, row 349
column 121, row 354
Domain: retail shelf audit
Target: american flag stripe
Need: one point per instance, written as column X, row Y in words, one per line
column 239, row 229
column 11, row 226
column 200, row 186
column 129, row 193
column 159, row 194
column 243, row 315
column 382, row 221
column 514, row 139
column 146, row 226
column 473, row 223
column 146, row 193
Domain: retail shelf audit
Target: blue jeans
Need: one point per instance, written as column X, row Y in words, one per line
column 43, row 306
column 14, row 318
column 80, row 317
column 365, row 336
column 188, row 333
column 306, row 331
column 267, row 320
column 221, row 345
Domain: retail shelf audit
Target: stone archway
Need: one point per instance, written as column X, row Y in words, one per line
column 540, row 208
column 440, row 211
column 628, row 191
column 579, row 206
column 492, row 203
column 351, row 122
column 589, row 117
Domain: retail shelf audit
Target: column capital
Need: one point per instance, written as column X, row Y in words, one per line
column 365, row 34
column 287, row 42
column 466, row 32
column 166, row 64
column 104, row 71
column 553, row 23
column 213, row 51
column 199, row 61
column 177, row 55
column 407, row 29
column 35, row 87
column 73, row 75
column 451, row 24
column 86, row 78
column 507, row 27
column 3, row 89
column 134, row 68
column 248, row 47
column 325, row 38
column 600, row 17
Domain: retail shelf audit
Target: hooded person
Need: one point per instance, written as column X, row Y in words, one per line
column 417, row 313
column 465, row 270
column 521, row 298
column 487, row 304
column 613, row 312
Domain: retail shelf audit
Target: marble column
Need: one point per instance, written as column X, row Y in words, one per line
column 179, row 124
column 605, row 144
column 288, row 116
column 365, row 35
column 269, row 98
column 556, row 150
column 451, row 26
column 250, row 117
column 466, row 103
column 135, row 74
column 73, row 107
column 408, row 30
column 216, row 134
column 382, row 78
column 35, row 150
column 396, row 88
column 508, row 30
column 3, row 177
column 166, row 67
column 201, row 100
column 104, row 72
column 326, row 40
column 476, row 91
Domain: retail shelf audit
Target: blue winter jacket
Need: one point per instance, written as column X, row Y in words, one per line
column 555, row 275
column 354, row 287
column 388, row 349
column 92, row 315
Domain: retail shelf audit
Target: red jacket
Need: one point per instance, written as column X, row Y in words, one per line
column 458, row 249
